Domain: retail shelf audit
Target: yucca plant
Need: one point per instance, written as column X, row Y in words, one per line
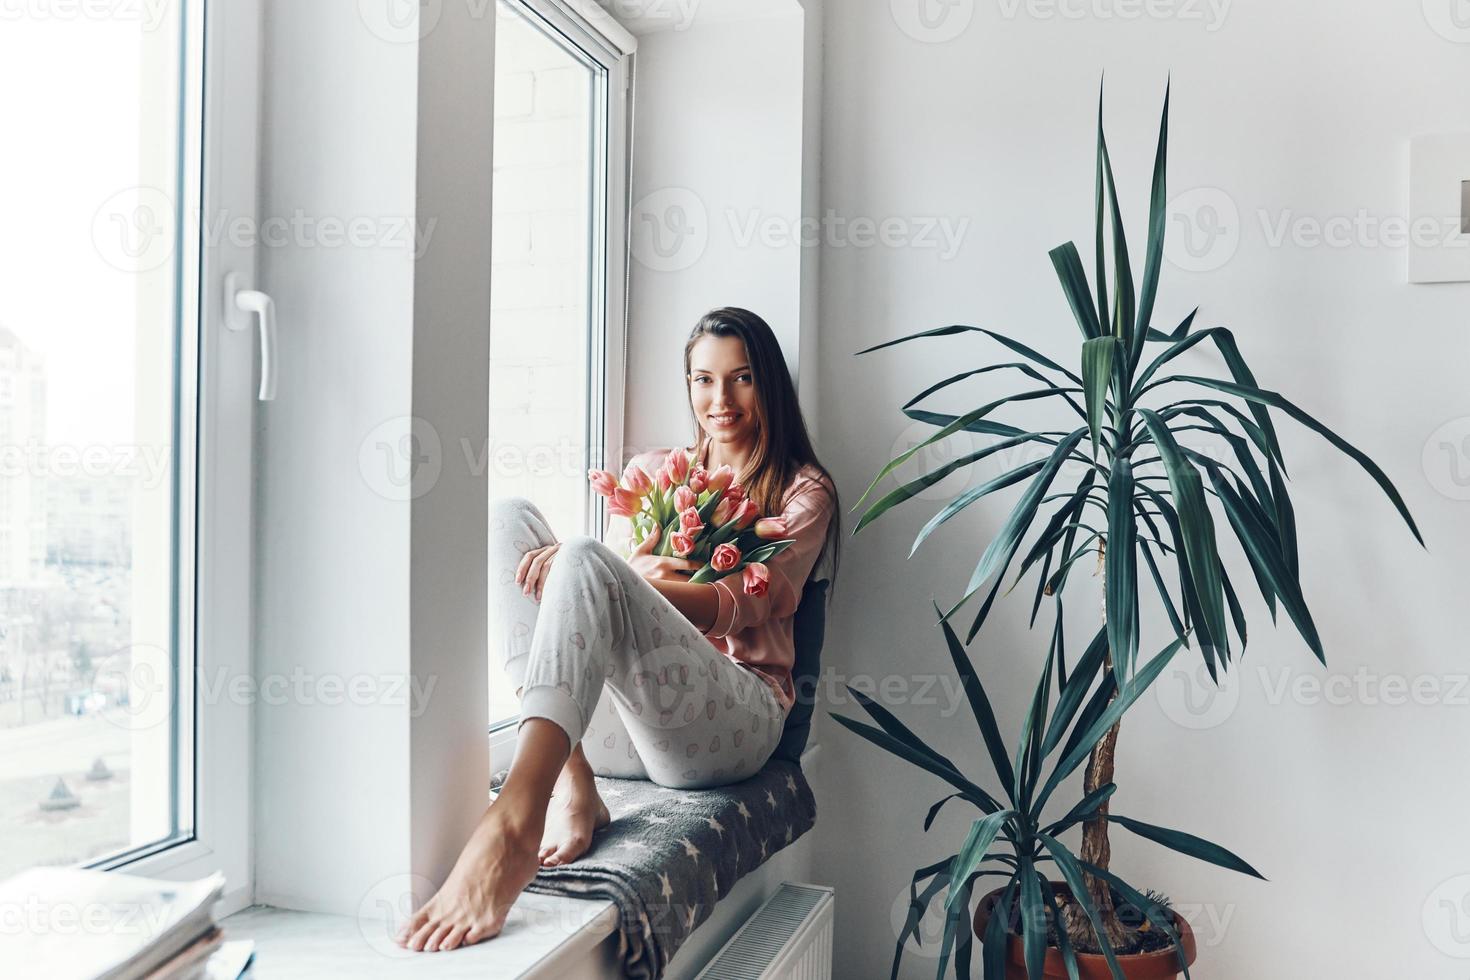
column 1143, row 493
column 1013, row 839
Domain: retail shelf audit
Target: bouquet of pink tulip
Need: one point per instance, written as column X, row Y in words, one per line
column 702, row 516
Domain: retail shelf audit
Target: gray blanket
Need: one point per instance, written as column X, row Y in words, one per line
column 670, row 854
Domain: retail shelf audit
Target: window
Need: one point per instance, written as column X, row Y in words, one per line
column 113, row 414
column 558, row 266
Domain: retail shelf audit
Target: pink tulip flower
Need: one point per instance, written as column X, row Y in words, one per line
column 678, row 464
column 770, row 528
column 663, row 479
column 734, row 492
column 698, row 479
column 682, row 544
column 721, row 478
column 689, row 520
column 754, row 577
column 637, row 480
column 724, row 510
column 684, row 498
column 629, row 501
column 603, row 482
column 747, row 514
column 725, row 558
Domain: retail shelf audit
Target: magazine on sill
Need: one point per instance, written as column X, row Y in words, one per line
column 80, row 924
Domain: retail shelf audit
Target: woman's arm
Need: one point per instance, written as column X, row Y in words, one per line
column 698, row 601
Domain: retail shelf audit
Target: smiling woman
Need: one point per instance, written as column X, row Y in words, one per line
column 698, row 675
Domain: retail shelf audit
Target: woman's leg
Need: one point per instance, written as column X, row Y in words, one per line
column 576, row 811
column 499, row 859
column 694, row 717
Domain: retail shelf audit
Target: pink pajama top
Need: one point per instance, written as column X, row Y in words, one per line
column 755, row 631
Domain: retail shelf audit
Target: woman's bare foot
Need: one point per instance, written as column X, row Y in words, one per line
column 496, row 865
column 576, row 811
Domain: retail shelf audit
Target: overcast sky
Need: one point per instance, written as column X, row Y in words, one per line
column 69, row 121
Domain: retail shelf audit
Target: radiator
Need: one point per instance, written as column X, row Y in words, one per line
column 787, row 938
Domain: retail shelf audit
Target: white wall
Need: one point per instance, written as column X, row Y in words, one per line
column 371, row 573
column 717, row 192
column 1353, row 810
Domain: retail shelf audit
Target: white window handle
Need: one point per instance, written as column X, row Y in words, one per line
column 239, row 305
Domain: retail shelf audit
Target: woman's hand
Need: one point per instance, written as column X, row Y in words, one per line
column 657, row 568
column 534, row 566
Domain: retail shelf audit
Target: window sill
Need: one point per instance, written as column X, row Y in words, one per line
column 547, row 937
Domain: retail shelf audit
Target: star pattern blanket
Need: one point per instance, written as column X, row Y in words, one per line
column 670, row 854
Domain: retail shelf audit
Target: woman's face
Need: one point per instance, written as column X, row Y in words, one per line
column 722, row 390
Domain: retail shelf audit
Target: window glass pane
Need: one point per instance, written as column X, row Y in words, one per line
column 541, row 281
column 90, row 262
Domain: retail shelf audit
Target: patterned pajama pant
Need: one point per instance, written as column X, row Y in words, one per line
column 616, row 665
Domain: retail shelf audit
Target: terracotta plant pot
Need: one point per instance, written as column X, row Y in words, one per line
column 1161, row 964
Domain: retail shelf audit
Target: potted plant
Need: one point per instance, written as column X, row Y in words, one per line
column 1142, row 493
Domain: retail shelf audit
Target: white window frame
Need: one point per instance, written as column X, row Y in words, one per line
column 220, row 133
column 592, row 30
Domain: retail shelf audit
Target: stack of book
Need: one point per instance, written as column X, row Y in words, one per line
column 66, row 923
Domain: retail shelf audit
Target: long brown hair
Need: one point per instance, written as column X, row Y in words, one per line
column 782, row 444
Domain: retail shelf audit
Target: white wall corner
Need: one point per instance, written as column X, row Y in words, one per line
column 448, row 749
column 811, row 211
column 373, row 505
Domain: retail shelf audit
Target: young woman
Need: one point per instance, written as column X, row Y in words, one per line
column 623, row 666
